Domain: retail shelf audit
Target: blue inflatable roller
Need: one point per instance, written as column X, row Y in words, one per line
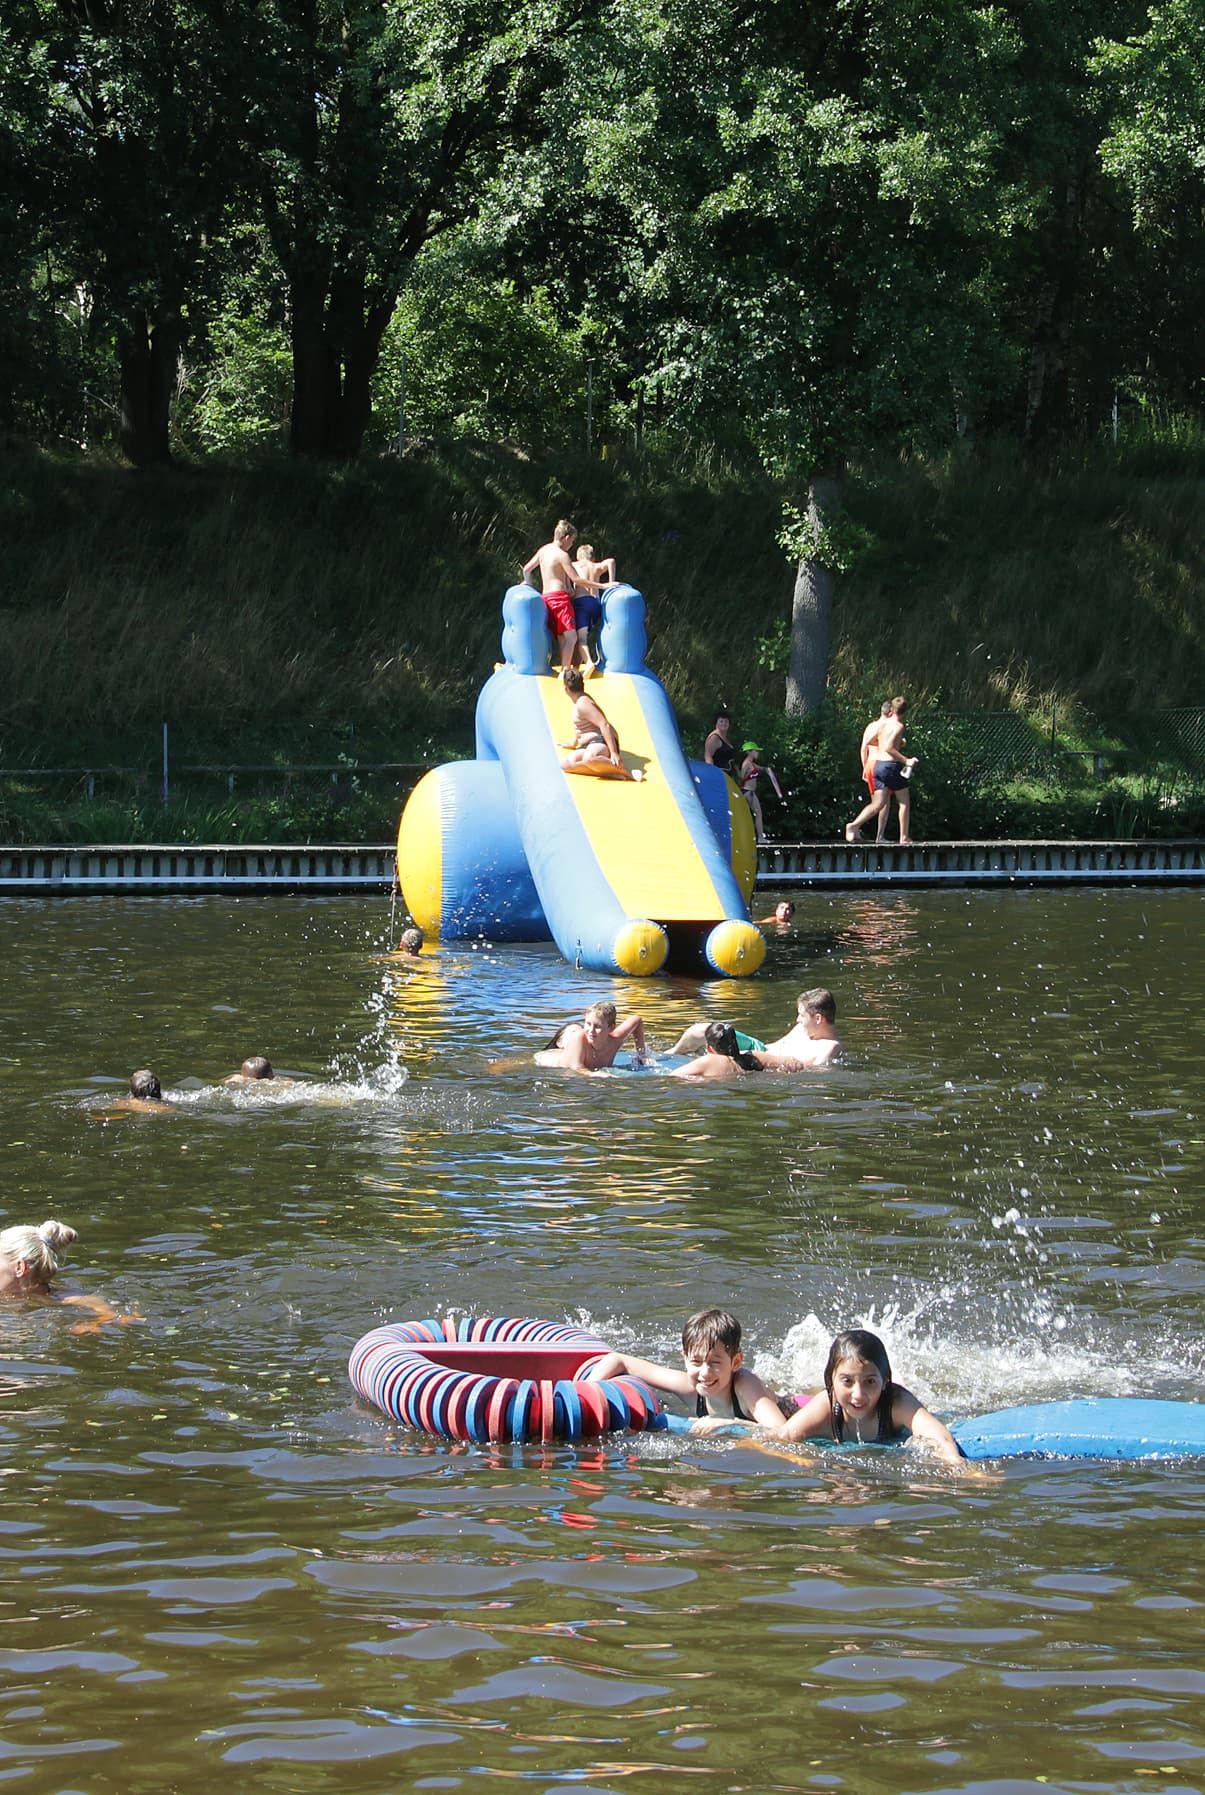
column 1121, row 1427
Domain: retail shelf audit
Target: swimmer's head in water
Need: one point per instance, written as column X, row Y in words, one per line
column 29, row 1256
column 257, row 1067
column 784, row 912
column 857, row 1347
column 145, row 1086
column 575, row 685
column 720, row 1037
column 817, row 1002
column 411, row 941
column 709, row 1328
column 599, row 1019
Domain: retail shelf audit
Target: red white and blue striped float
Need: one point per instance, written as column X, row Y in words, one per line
column 497, row 1378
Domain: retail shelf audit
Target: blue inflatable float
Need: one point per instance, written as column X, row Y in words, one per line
column 625, row 875
column 1121, row 1427
column 1106, row 1427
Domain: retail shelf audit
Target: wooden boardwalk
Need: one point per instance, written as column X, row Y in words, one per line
column 172, row 870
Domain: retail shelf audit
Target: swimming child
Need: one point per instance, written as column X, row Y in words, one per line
column 410, row 943
column 861, row 1404
column 592, row 1043
column 258, row 1070
column 714, row 1373
column 28, row 1262
column 145, row 1096
column 723, row 1056
column 781, row 916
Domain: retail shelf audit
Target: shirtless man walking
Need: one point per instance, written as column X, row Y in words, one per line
column 891, row 770
column 558, row 578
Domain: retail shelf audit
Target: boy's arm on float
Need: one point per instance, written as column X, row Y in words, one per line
column 631, row 1025
column 661, row 1377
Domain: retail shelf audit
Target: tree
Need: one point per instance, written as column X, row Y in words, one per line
column 143, row 95
column 378, row 126
column 819, row 212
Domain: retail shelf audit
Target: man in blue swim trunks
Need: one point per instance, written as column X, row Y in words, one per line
column 891, row 772
column 594, row 577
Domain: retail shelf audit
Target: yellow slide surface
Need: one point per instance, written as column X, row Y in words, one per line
column 640, row 837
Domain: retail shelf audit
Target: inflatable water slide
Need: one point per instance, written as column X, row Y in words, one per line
column 625, row 875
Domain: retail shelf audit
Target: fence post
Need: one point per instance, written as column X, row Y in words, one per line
column 401, row 404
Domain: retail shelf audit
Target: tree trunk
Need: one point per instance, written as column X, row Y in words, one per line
column 147, row 355
column 315, row 408
column 336, row 347
column 812, row 606
column 1048, row 401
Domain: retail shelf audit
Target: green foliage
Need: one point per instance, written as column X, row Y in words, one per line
column 838, row 543
column 482, row 359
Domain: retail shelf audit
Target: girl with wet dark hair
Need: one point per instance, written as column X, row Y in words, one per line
column 723, row 1057
column 862, row 1405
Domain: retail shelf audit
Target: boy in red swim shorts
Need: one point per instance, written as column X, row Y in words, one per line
column 558, row 577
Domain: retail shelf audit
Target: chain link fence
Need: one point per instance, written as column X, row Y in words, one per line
column 1003, row 743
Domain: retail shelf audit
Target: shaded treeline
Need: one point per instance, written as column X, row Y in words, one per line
column 804, row 231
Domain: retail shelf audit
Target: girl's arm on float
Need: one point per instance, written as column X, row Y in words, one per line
column 813, row 1420
column 661, row 1377
column 909, row 1411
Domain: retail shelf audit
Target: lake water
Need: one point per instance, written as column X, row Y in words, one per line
column 223, row 1571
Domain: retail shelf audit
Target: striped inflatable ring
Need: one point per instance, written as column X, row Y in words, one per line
column 495, row 1377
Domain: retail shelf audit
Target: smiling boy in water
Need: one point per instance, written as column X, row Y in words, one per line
column 591, row 1044
column 714, row 1373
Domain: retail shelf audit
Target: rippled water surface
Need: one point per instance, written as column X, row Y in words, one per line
column 220, row 1571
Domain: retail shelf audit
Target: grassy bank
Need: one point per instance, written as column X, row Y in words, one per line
column 294, row 614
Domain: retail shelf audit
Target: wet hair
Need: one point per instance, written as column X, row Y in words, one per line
column 710, row 1328
column 146, row 1086
column 564, row 528
column 411, row 941
column 786, row 906
column 859, row 1343
column 721, row 1038
column 819, row 1001
column 38, row 1247
column 574, row 683
column 257, row 1067
column 605, row 1011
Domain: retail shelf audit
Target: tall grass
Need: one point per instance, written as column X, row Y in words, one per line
column 261, row 611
